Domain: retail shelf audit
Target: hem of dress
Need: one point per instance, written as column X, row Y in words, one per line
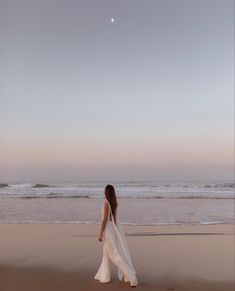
column 102, row 281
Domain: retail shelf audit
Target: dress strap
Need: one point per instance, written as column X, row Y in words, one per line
column 110, row 209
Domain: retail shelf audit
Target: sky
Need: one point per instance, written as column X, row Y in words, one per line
column 148, row 96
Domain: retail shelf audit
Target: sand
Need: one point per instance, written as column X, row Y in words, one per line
column 50, row 257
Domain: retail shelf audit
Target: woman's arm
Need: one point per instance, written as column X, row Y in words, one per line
column 104, row 221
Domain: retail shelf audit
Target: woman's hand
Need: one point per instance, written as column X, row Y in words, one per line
column 100, row 237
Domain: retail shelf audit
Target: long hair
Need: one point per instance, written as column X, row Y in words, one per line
column 110, row 195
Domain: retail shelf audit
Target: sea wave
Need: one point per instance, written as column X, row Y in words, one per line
column 52, row 195
column 130, row 185
column 125, row 223
column 218, row 185
column 3, row 185
column 40, row 186
column 57, row 195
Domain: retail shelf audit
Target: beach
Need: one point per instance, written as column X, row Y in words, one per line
column 126, row 101
column 49, row 256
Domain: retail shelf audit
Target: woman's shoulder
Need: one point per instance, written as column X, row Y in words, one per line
column 106, row 203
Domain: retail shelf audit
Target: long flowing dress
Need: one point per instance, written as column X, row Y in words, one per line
column 115, row 250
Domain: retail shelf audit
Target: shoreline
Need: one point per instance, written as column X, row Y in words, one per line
column 161, row 212
column 123, row 223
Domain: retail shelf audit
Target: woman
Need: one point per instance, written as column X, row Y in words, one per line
column 115, row 248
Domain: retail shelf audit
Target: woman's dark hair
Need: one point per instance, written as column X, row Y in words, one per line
column 111, row 197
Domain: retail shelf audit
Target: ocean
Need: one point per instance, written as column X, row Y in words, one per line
column 139, row 203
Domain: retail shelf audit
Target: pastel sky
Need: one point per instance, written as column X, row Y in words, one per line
column 147, row 96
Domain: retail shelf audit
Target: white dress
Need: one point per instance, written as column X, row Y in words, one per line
column 115, row 250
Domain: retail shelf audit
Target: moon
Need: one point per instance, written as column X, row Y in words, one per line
column 112, row 20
